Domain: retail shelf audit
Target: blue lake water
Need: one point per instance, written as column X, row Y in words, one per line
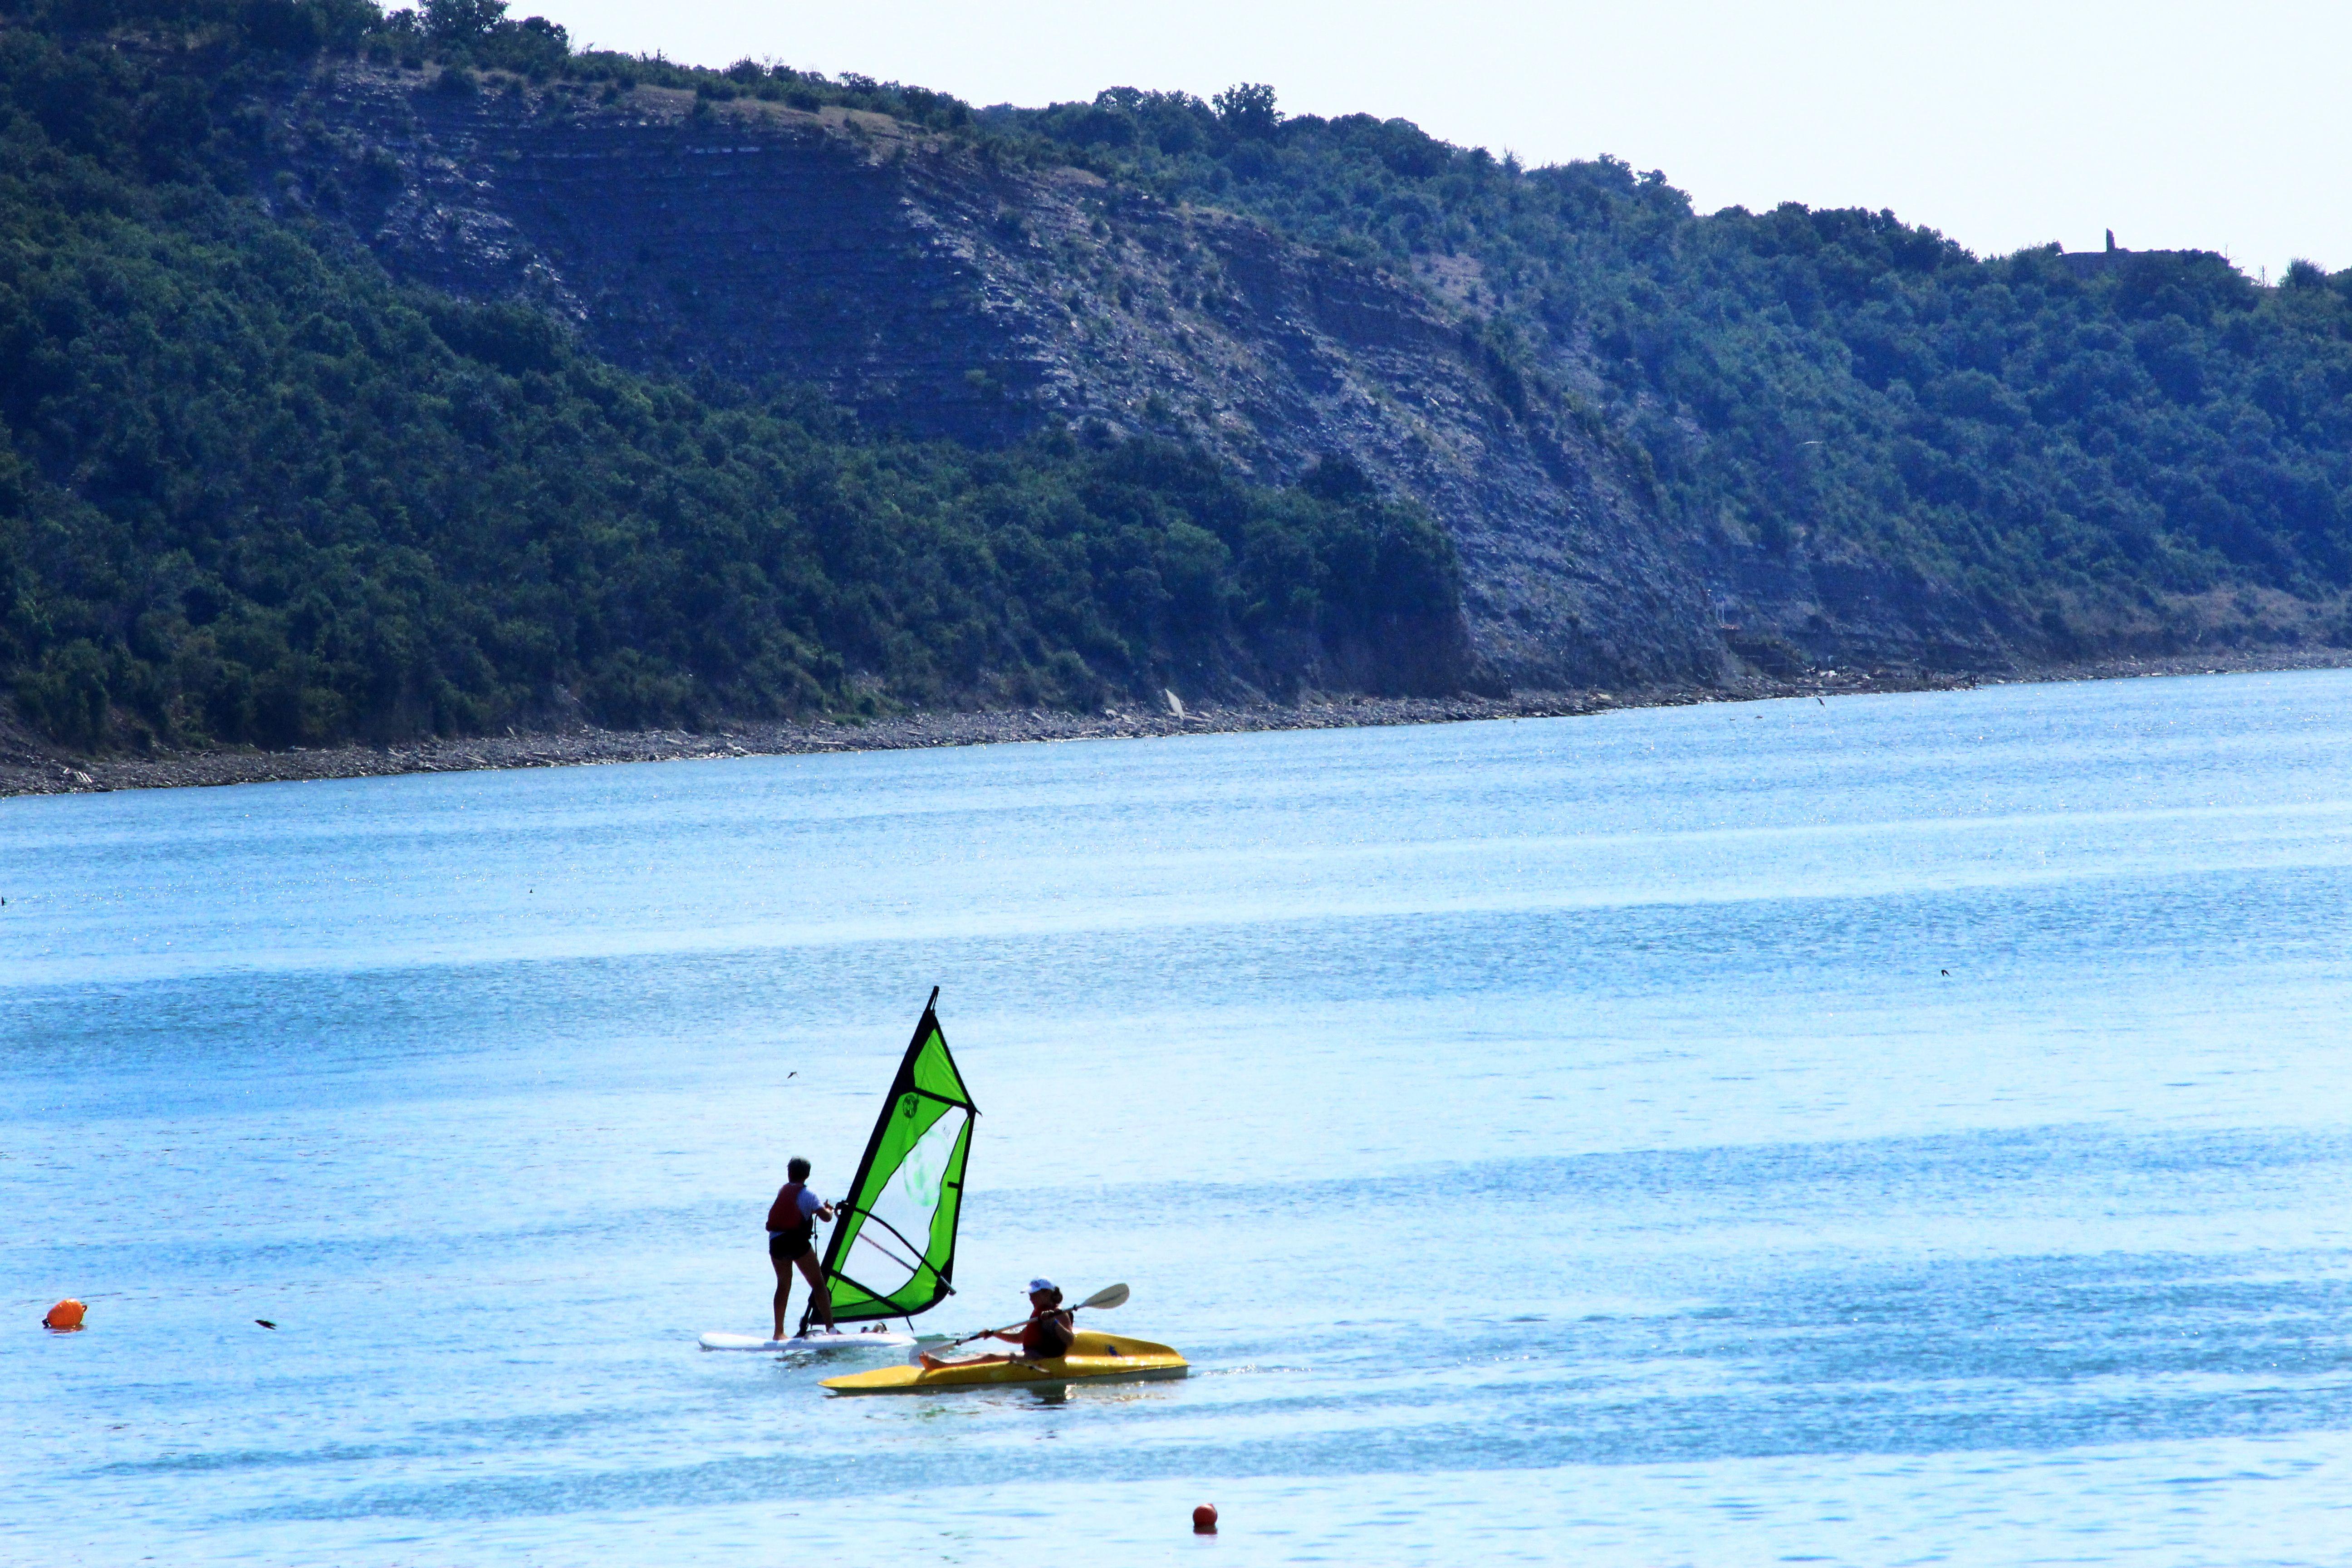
column 1899, row 1130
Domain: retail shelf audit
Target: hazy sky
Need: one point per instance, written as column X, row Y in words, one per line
column 2219, row 127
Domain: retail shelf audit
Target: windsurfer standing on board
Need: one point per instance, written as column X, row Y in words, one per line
column 792, row 1240
column 1046, row 1335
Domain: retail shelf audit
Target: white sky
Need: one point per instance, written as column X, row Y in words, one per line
column 2219, row 127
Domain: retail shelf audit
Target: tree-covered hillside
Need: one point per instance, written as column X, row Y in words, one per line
column 251, row 491
column 2075, row 444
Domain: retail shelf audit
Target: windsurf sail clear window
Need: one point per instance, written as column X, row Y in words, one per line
column 892, row 1253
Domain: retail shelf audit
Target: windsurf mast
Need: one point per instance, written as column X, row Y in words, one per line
column 892, row 1252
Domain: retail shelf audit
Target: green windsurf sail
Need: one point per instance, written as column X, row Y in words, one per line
column 893, row 1250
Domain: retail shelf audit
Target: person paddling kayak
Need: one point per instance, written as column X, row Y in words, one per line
column 1046, row 1335
column 791, row 1242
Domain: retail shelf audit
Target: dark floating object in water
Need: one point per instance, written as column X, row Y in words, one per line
column 1944, row 972
column 264, row 1322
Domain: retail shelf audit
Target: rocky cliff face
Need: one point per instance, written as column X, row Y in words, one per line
column 932, row 291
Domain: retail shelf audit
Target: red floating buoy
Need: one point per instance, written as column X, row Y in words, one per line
column 1204, row 1520
column 64, row 1317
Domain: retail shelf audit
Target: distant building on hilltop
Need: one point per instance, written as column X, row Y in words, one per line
column 2091, row 263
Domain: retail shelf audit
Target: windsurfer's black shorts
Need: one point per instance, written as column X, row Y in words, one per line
column 788, row 1249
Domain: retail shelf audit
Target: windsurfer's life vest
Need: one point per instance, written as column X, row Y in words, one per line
column 784, row 1216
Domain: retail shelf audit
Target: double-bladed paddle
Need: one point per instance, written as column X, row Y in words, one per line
column 1109, row 1296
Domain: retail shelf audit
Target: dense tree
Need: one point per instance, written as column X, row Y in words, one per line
column 1247, row 111
column 463, row 21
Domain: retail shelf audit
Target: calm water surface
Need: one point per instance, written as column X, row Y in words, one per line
column 1903, row 1130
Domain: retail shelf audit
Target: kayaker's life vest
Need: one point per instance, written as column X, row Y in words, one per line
column 785, row 1218
column 1046, row 1336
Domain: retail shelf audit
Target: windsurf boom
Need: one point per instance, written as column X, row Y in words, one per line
column 892, row 1252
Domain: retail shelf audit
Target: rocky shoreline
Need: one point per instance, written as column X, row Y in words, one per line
column 29, row 768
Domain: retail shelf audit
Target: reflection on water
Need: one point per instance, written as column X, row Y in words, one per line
column 1906, row 1128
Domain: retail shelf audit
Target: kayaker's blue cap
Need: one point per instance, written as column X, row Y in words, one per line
column 1037, row 1284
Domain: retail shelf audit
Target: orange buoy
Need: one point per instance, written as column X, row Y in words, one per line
column 1204, row 1520
column 64, row 1317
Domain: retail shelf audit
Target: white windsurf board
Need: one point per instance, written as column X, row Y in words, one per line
column 817, row 1341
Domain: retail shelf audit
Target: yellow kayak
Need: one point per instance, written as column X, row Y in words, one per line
column 1092, row 1358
